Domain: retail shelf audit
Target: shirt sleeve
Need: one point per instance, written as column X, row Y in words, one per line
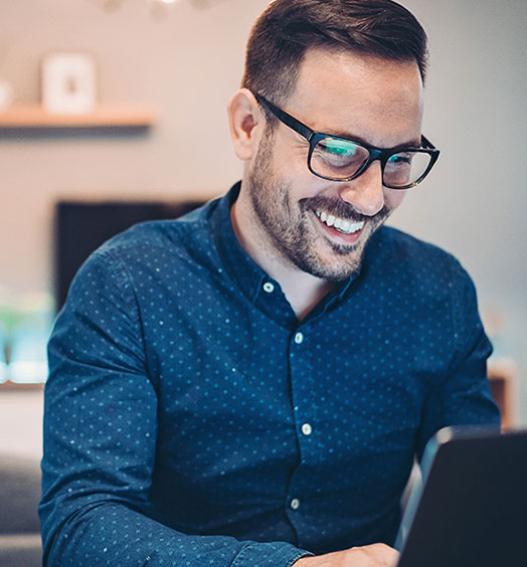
column 100, row 439
column 464, row 396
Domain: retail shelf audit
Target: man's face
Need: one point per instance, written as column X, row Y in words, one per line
column 364, row 98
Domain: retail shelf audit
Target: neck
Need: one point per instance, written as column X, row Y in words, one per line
column 302, row 290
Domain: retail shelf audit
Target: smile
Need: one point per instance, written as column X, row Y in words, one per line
column 342, row 225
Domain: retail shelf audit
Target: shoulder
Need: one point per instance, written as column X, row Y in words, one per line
column 430, row 283
column 406, row 246
column 176, row 237
column 417, row 262
column 164, row 249
column 154, row 253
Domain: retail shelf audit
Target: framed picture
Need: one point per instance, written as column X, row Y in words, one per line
column 68, row 83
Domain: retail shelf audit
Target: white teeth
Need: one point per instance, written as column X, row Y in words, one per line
column 342, row 225
column 355, row 226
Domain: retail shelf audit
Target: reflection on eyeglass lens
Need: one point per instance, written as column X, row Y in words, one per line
column 339, row 154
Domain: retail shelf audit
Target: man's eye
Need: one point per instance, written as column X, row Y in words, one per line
column 400, row 159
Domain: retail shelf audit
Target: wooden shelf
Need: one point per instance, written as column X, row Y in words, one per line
column 121, row 116
column 21, row 387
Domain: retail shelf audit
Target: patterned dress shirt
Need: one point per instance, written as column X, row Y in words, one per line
column 192, row 420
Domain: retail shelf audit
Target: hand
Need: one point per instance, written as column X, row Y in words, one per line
column 376, row 555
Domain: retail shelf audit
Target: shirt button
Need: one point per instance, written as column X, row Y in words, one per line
column 295, row 504
column 299, row 338
column 307, row 429
column 268, row 287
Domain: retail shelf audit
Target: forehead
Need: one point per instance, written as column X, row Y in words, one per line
column 376, row 99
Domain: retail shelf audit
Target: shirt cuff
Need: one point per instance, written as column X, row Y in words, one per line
column 274, row 554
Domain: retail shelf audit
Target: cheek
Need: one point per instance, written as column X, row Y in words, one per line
column 294, row 174
column 288, row 169
column 393, row 198
column 293, row 167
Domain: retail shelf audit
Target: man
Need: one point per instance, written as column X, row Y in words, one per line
column 249, row 385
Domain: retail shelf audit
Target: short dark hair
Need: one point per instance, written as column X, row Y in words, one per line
column 288, row 28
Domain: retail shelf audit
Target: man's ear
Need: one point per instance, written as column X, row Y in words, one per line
column 246, row 123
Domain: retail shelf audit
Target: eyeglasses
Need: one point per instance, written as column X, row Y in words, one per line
column 343, row 159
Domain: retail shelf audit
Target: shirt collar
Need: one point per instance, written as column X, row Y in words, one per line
column 240, row 266
column 250, row 277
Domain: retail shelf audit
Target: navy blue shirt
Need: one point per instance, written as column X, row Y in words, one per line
column 191, row 419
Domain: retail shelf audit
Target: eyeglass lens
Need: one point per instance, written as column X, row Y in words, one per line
column 337, row 158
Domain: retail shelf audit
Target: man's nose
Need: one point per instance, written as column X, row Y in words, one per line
column 365, row 193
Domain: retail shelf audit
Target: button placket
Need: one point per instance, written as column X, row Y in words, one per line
column 301, row 378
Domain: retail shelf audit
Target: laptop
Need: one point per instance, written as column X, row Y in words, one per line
column 471, row 508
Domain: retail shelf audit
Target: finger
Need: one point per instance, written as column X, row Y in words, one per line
column 384, row 553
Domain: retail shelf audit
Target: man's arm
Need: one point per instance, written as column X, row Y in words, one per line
column 100, row 431
column 464, row 397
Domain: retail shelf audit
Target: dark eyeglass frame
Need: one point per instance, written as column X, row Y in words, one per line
column 382, row 154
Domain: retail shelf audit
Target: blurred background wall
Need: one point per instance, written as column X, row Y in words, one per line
column 186, row 62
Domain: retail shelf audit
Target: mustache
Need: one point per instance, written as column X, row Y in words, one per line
column 339, row 208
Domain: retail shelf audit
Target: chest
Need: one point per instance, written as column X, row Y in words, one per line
column 225, row 371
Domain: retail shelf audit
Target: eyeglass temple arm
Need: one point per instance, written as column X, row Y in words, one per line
column 304, row 130
column 287, row 119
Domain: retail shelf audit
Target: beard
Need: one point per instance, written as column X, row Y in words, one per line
column 292, row 226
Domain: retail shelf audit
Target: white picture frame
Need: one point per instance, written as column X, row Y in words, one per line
column 68, row 83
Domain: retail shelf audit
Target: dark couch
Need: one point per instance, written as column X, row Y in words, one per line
column 20, row 544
